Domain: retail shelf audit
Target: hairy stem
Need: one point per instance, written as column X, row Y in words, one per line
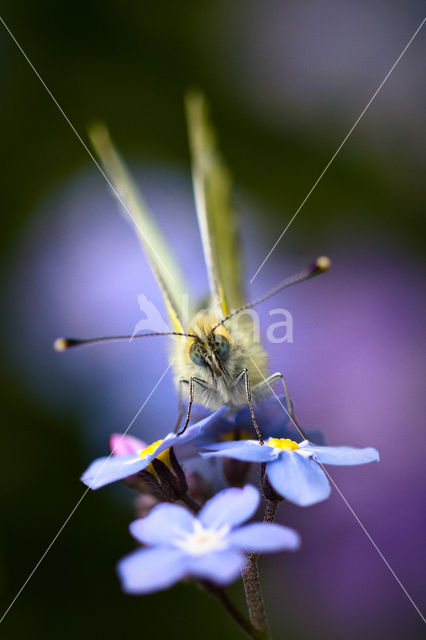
column 251, row 580
column 271, row 510
column 254, row 597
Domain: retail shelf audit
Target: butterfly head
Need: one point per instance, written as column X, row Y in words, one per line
column 211, row 346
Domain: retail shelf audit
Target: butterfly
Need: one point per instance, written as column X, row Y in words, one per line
column 216, row 357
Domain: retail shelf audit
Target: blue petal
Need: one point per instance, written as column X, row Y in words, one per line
column 230, row 444
column 106, row 470
column 195, row 431
column 220, row 567
column 215, row 432
column 249, row 450
column 299, row 479
column 230, row 507
column 164, row 522
column 148, row 570
column 343, row 455
column 264, row 538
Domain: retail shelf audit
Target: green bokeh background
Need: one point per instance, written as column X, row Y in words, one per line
column 130, row 63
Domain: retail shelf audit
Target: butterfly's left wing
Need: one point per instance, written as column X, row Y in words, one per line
column 158, row 252
column 216, row 216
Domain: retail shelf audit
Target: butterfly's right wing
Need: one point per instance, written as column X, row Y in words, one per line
column 216, row 216
column 154, row 244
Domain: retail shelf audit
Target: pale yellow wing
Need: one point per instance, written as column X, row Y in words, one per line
column 154, row 244
column 216, row 216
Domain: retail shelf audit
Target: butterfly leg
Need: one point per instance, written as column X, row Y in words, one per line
column 271, row 380
column 181, row 410
column 244, row 376
column 191, row 382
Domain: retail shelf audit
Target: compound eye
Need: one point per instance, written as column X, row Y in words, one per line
column 222, row 346
column 196, row 354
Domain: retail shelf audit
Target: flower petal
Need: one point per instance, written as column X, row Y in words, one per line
column 265, row 538
column 220, row 567
column 195, row 431
column 148, row 570
column 249, row 450
column 164, row 522
column 342, row 455
column 106, row 470
column 122, row 444
column 117, row 467
column 299, row 479
column 230, row 507
column 230, row 444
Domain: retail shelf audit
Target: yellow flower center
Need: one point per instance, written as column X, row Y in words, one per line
column 164, row 456
column 282, row 443
column 149, row 450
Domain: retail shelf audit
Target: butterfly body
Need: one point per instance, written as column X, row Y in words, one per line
column 214, row 357
column 217, row 355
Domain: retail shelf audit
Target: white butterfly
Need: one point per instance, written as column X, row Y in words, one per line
column 215, row 355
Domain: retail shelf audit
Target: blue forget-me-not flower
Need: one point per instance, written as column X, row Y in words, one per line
column 106, row 470
column 209, row 547
column 294, row 469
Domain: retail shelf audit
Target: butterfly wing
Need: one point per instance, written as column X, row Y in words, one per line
column 216, row 216
column 159, row 255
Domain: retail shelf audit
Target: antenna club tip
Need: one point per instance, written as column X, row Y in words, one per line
column 61, row 344
column 323, row 263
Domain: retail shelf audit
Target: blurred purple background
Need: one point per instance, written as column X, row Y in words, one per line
column 286, row 81
column 355, row 369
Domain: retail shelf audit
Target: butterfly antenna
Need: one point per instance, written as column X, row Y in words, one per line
column 63, row 344
column 320, row 265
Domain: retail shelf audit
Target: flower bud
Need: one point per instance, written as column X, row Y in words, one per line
column 121, row 444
